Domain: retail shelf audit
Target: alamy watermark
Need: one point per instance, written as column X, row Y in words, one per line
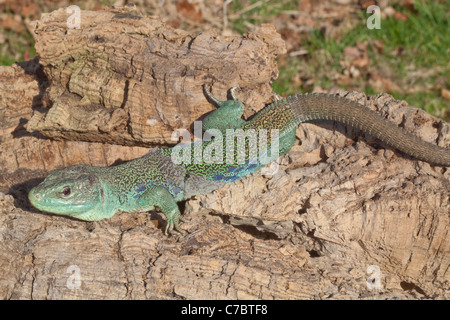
column 373, row 282
column 374, row 21
column 74, row 20
column 240, row 144
column 74, row 279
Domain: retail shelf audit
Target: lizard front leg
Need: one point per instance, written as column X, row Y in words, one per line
column 227, row 116
column 158, row 196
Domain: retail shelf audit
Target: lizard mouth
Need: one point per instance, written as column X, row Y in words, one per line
column 34, row 198
column 39, row 201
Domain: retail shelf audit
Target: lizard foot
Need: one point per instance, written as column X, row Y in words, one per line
column 172, row 224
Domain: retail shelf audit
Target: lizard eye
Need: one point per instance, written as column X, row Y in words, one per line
column 66, row 191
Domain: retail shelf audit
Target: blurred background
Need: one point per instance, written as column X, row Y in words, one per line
column 329, row 43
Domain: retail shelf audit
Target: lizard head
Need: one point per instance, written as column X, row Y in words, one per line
column 73, row 191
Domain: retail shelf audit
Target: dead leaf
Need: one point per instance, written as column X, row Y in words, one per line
column 291, row 38
column 358, row 55
column 414, row 89
column 305, row 6
column 378, row 45
column 366, row 3
column 26, row 55
column 400, row 16
column 389, row 11
column 351, row 53
column 447, row 115
column 345, row 79
column 354, row 72
column 318, row 88
column 380, row 83
column 188, row 10
column 362, row 45
column 305, row 20
column 399, row 51
column 362, row 62
column 174, row 23
column 409, row 4
column 445, row 93
column 12, row 23
column 29, row 10
column 297, row 81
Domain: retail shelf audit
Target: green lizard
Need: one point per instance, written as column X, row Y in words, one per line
column 155, row 180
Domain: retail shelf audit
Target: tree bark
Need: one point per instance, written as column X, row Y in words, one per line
column 339, row 211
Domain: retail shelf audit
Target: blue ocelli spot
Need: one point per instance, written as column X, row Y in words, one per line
column 176, row 190
column 231, row 178
column 140, row 187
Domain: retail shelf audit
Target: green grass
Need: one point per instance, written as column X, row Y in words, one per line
column 423, row 40
column 256, row 12
column 14, row 47
column 415, row 55
column 424, row 35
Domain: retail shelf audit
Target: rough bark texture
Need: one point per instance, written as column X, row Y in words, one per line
column 128, row 79
column 338, row 202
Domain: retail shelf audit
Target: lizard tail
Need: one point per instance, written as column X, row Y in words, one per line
column 320, row 106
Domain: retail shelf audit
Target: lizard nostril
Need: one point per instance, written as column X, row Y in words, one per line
column 34, row 195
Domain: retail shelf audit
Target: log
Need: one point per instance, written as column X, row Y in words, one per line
column 341, row 216
column 127, row 79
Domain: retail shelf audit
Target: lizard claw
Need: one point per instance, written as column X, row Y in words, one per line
column 277, row 97
column 217, row 101
column 172, row 224
column 232, row 92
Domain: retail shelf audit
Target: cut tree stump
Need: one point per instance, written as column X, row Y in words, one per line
column 340, row 216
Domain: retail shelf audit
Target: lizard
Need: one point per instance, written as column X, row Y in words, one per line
column 154, row 180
